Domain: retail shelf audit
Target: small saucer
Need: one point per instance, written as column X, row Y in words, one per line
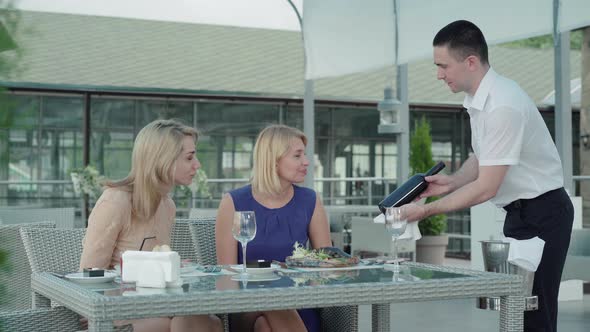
column 256, row 270
column 80, row 278
column 257, row 277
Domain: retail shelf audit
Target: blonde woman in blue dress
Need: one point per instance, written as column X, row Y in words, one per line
column 285, row 214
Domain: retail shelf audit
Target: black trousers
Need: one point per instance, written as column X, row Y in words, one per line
column 550, row 217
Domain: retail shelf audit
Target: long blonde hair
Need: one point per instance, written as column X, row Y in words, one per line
column 153, row 164
column 272, row 143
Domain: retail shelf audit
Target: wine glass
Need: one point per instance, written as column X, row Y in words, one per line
column 395, row 223
column 244, row 230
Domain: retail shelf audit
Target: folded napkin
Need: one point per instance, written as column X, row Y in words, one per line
column 412, row 231
column 525, row 253
column 151, row 269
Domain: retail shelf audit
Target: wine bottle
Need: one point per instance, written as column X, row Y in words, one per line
column 408, row 191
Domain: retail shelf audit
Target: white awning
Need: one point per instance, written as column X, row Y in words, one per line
column 351, row 36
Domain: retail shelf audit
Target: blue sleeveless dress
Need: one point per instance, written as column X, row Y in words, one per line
column 277, row 230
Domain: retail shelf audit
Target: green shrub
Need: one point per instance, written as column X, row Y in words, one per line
column 420, row 161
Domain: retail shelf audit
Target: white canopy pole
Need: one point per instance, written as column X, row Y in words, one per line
column 563, row 107
column 308, row 113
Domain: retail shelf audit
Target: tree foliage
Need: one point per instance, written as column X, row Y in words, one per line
column 546, row 41
column 10, row 55
column 420, row 161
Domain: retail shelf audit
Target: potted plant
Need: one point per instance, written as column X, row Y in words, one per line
column 87, row 183
column 432, row 246
column 184, row 194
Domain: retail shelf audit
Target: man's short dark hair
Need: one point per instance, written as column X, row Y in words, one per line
column 463, row 39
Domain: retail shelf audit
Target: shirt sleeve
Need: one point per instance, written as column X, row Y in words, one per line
column 104, row 225
column 502, row 137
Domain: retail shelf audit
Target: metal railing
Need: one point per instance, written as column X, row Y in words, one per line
column 331, row 196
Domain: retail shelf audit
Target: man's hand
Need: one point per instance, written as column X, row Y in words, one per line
column 413, row 212
column 438, row 185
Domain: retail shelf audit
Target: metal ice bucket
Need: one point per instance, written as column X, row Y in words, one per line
column 495, row 259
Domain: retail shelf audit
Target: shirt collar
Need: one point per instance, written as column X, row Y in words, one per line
column 478, row 100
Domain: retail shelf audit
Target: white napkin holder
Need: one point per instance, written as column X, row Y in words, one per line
column 151, row 269
column 412, row 230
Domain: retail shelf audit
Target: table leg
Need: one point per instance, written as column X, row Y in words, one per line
column 40, row 301
column 100, row 326
column 511, row 313
column 380, row 317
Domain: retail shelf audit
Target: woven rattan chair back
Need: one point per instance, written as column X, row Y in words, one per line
column 181, row 239
column 62, row 217
column 17, row 280
column 53, row 250
column 203, row 236
column 40, row 320
column 57, row 250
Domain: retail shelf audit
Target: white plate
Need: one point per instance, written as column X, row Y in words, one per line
column 258, row 277
column 80, row 278
column 255, row 270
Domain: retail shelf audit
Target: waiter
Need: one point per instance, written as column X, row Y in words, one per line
column 515, row 163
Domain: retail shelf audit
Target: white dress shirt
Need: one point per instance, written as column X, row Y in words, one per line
column 507, row 129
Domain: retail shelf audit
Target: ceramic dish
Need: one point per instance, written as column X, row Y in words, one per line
column 258, row 277
column 80, row 278
column 255, row 270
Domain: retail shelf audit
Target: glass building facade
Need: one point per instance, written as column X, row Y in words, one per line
column 43, row 135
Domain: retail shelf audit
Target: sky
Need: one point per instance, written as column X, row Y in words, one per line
column 271, row 14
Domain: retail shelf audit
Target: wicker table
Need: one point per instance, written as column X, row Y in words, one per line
column 220, row 294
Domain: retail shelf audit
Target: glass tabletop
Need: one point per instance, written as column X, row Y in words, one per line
column 281, row 280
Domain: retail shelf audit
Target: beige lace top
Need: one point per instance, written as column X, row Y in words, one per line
column 112, row 230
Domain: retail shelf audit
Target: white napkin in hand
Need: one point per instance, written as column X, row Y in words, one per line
column 525, row 253
column 412, row 231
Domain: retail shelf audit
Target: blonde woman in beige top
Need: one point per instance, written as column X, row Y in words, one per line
column 138, row 207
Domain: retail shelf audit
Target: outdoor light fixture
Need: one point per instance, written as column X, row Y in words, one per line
column 389, row 109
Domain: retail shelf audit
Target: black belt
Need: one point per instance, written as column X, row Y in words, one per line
column 522, row 203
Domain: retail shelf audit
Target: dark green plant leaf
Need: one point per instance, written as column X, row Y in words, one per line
column 420, row 161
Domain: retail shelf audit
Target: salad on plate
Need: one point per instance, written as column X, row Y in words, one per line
column 322, row 257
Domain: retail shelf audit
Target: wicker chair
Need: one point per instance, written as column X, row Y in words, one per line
column 202, row 235
column 62, row 217
column 181, row 240
column 53, row 250
column 40, row 320
column 16, row 313
column 195, row 213
column 17, row 280
column 56, row 250
column 337, row 319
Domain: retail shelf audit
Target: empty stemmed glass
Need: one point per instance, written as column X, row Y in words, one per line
column 244, row 230
column 395, row 223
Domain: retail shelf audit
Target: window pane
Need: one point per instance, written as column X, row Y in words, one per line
column 61, row 151
column 111, row 152
column 150, row 110
column 323, row 124
column 235, row 119
column 112, row 113
column 18, row 111
column 62, row 112
column 357, row 122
